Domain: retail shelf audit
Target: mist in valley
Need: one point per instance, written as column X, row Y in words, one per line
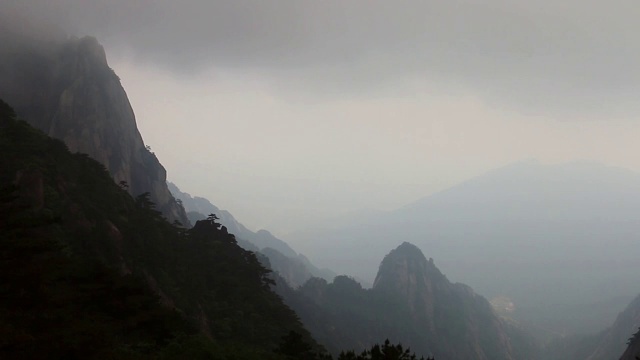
column 474, row 163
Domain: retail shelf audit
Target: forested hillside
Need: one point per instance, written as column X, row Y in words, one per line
column 293, row 267
column 89, row 272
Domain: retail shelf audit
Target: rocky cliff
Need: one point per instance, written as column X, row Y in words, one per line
column 462, row 321
column 87, row 272
column 68, row 90
column 411, row 303
column 633, row 350
column 614, row 340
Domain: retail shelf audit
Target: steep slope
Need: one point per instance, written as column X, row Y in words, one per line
column 293, row 267
column 633, row 350
column 615, row 340
column 68, row 90
column 473, row 330
column 86, row 268
column 294, row 271
column 199, row 205
column 411, row 302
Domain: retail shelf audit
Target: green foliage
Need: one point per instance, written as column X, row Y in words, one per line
column 342, row 314
column 386, row 351
column 6, row 111
column 293, row 346
column 86, row 271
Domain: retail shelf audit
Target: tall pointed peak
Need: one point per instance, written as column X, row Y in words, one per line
column 408, row 249
column 404, row 267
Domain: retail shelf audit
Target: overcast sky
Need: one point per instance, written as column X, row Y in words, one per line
column 288, row 111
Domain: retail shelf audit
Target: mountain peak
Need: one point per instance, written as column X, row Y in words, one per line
column 406, row 252
column 417, row 286
column 406, row 273
column 407, row 249
column 90, row 47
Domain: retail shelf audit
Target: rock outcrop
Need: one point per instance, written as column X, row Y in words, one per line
column 462, row 321
column 68, row 90
column 411, row 303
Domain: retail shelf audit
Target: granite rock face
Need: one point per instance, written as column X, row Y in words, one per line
column 68, row 90
column 463, row 322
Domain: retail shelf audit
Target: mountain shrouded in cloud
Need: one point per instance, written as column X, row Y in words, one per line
column 540, row 55
column 294, row 115
column 69, row 91
column 572, row 225
column 331, row 107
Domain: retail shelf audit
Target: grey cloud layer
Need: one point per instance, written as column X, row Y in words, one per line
column 540, row 54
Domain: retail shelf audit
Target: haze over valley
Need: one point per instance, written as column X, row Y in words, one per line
column 319, row 180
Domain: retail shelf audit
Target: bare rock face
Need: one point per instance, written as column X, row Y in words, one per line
column 463, row 322
column 68, row 90
column 406, row 272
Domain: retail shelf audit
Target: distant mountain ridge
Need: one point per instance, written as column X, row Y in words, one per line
column 615, row 339
column 411, row 302
column 620, row 338
column 293, row 267
column 566, row 223
column 261, row 239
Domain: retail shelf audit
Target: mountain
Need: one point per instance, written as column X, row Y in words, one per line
column 614, row 340
column 573, row 225
column 68, row 90
column 603, row 345
column 292, row 270
column 293, row 267
column 411, row 302
column 88, row 272
column 633, row 350
column 261, row 239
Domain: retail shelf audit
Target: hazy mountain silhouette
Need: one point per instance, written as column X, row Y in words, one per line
column 615, row 339
column 608, row 344
column 539, row 234
column 89, row 272
column 293, row 267
column 411, row 302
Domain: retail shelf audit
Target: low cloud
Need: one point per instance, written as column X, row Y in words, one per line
column 540, row 57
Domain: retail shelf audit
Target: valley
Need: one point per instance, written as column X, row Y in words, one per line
column 106, row 253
